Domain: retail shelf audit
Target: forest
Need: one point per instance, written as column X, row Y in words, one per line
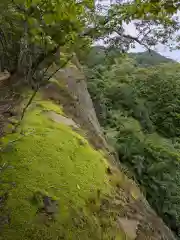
column 136, row 95
column 137, row 100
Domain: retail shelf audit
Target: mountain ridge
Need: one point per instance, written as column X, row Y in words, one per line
column 100, row 53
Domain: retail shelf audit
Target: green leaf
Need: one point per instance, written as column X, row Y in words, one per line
column 49, row 18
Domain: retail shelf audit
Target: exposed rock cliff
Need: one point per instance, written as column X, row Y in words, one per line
column 55, row 185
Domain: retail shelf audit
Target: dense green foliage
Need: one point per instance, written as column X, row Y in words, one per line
column 38, row 37
column 146, row 59
column 139, row 109
column 99, row 54
column 34, row 33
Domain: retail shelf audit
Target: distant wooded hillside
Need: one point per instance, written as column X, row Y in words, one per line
column 149, row 58
column 99, row 54
column 137, row 101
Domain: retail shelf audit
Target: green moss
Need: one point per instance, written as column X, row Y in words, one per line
column 50, row 160
column 47, row 105
column 59, row 83
column 9, row 128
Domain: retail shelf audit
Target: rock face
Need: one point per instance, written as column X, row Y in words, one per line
column 55, row 185
column 74, row 96
column 140, row 220
column 129, row 226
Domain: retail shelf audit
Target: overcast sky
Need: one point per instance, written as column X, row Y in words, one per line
column 163, row 50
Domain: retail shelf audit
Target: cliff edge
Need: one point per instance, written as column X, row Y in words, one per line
column 58, row 177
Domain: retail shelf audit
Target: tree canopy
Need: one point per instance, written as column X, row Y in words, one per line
column 139, row 110
column 33, row 31
column 154, row 21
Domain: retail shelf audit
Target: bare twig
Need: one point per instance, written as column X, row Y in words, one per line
column 26, row 107
column 41, row 58
column 63, row 65
column 29, row 102
column 10, row 143
column 38, row 87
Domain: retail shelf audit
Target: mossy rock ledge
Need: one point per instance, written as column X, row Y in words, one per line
column 55, row 185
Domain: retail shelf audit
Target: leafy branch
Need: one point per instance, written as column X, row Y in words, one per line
column 42, row 82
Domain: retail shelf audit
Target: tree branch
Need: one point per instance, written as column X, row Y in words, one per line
column 42, row 57
column 63, row 65
column 29, row 102
column 135, row 39
column 38, row 87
